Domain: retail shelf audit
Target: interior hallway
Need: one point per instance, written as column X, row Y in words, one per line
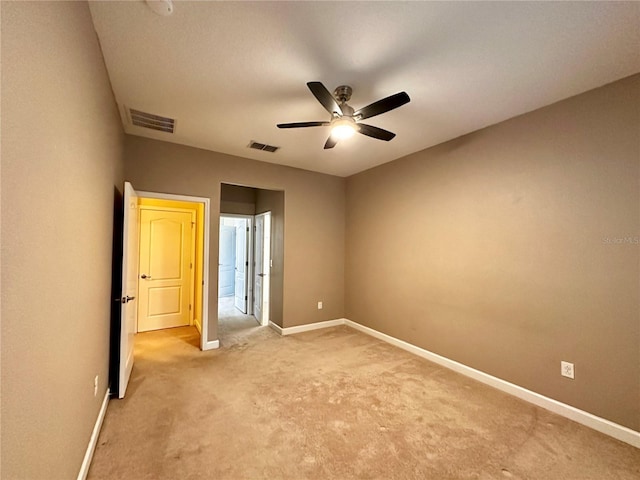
column 331, row 403
column 232, row 323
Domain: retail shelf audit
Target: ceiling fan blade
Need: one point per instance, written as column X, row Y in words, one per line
column 375, row 132
column 331, row 142
column 324, row 97
column 382, row 106
column 303, row 124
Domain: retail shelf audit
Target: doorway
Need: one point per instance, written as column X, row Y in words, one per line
column 244, row 266
column 234, row 262
column 126, row 274
column 166, row 265
column 265, row 286
column 264, row 210
column 169, row 224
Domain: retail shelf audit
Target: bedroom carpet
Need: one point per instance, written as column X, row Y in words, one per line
column 330, row 404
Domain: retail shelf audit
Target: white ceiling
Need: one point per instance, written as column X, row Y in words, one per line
column 228, row 72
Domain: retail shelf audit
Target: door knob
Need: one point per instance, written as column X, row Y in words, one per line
column 145, row 276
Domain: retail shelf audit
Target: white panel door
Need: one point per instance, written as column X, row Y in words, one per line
column 241, row 266
column 258, row 266
column 262, row 267
column 165, row 269
column 128, row 315
column 227, row 261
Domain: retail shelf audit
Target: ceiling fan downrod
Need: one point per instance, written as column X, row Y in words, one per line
column 343, row 95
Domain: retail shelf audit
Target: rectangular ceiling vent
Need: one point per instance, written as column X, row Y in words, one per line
column 149, row 120
column 263, row 146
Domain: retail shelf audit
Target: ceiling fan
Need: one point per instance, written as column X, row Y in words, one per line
column 345, row 121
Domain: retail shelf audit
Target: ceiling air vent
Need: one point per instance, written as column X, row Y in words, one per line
column 262, row 146
column 154, row 122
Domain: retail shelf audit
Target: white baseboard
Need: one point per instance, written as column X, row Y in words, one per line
column 211, row 345
column 587, row 419
column 93, row 441
column 196, row 323
column 308, row 327
column 276, row 327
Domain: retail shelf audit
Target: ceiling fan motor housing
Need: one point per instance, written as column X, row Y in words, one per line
column 343, row 93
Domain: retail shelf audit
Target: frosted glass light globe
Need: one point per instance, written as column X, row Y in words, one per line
column 343, row 128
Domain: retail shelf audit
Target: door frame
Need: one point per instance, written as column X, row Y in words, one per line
column 205, row 343
column 249, row 242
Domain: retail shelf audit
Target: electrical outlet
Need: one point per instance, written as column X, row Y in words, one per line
column 95, row 386
column 567, row 370
column 319, row 305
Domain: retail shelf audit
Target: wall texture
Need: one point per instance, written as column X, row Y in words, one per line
column 502, row 250
column 61, row 158
column 314, row 209
column 237, row 200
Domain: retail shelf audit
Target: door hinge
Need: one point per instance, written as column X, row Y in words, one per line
column 247, row 229
column 246, row 298
column 191, row 265
column 189, row 307
column 246, row 263
column 193, row 224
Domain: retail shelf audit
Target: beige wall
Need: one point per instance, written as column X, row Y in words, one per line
column 492, row 250
column 237, row 200
column 61, row 158
column 313, row 222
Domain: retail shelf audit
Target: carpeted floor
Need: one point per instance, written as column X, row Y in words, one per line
column 330, row 404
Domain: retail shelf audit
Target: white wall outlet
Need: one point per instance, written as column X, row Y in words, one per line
column 567, row 370
column 319, row 305
column 95, row 386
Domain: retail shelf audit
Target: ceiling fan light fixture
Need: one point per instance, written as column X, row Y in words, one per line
column 343, row 128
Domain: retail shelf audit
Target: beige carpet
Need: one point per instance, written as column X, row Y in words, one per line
column 330, row 404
